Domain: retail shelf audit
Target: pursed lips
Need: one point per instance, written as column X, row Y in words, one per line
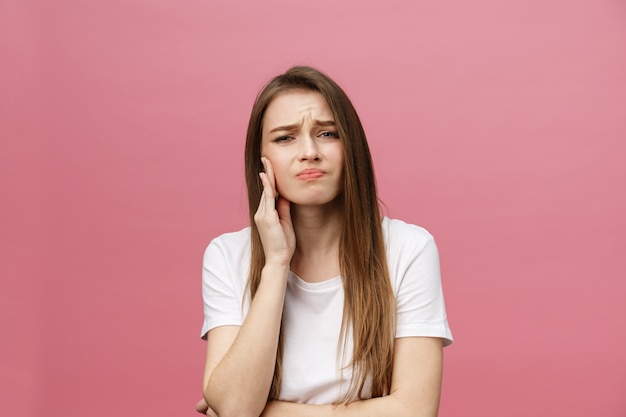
column 310, row 174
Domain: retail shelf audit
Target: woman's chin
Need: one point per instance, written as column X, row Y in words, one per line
column 319, row 201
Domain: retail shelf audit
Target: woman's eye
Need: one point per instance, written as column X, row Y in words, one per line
column 282, row 139
column 328, row 134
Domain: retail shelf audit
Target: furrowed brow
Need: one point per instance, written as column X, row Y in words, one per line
column 325, row 123
column 285, row 128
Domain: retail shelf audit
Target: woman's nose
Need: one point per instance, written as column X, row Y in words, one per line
column 308, row 149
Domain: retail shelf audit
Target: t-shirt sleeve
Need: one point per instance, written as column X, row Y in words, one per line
column 419, row 297
column 221, row 294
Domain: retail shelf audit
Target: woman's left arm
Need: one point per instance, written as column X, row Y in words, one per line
column 415, row 387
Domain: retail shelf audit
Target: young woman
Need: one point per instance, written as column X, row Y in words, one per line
column 322, row 306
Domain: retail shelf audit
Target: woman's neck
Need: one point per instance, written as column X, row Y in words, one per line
column 318, row 232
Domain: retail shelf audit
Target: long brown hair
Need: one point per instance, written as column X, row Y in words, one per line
column 369, row 304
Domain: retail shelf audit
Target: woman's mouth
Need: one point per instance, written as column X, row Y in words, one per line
column 310, row 174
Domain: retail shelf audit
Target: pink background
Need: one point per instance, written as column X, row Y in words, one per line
column 497, row 125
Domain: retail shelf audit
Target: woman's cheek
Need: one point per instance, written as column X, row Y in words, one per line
column 279, row 185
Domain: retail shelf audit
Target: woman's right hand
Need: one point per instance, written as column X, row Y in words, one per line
column 273, row 220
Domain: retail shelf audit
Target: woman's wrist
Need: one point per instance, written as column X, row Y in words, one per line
column 276, row 268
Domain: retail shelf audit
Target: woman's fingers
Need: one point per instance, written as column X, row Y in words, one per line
column 202, row 407
column 267, row 205
column 273, row 220
column 269, row 170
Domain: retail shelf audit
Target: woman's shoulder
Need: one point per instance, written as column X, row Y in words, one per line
column 231, row 244
column 400, row 232
column 405, row 242
column 233, row 238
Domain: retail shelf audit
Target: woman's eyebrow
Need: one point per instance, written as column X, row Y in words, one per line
column 286, row 128
column 324, row 123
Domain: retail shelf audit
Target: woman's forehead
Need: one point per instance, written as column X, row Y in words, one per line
column 295, row 107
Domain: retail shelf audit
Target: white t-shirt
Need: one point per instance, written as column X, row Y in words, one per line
column 313, row 360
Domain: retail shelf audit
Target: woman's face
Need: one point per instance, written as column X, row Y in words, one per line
column 301, row 142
